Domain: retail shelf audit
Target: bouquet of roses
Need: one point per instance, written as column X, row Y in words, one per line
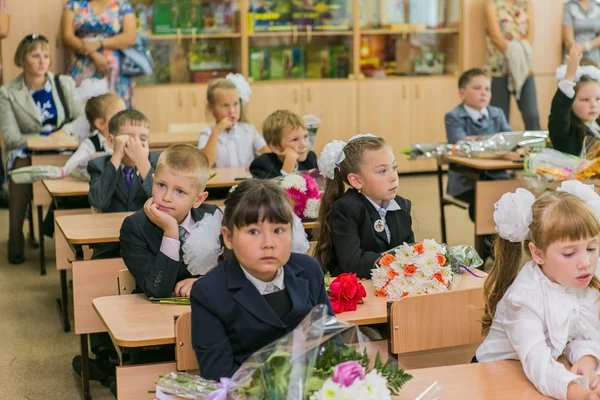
column 304, row 194
column 345, row 293
column 421, row 268
column 322, row 358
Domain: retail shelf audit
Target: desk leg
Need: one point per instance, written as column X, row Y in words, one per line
column 440, row 183
column 63, row 302
column 40, row 216
column 32, row 241
column 85, row 367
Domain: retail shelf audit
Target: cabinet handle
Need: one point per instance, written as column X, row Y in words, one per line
column 404, row 92
column 180, row 98
column 195, row 99
column 308, row 95
column 417, row 92
column 295, row 96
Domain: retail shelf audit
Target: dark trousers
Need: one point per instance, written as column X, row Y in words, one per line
column 19, row 198
column 527, row 103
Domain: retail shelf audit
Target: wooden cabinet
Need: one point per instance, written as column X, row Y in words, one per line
column 268, row 97
column 407, row 111
column 165, row 105
column 335, row 102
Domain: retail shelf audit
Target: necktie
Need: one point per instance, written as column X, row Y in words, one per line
column 128, row 171
column 382, row 214
column 182, row 238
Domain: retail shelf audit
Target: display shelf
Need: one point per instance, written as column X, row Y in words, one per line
column 406, row 31
column 196, row 36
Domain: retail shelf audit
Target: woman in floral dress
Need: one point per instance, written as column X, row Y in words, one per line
column 507, row 21
column 95, row 31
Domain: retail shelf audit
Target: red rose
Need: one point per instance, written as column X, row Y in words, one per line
column 346, row 293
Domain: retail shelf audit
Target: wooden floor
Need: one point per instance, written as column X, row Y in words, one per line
column 35, row 361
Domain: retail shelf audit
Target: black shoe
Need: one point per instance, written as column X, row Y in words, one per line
column 95, row 372
column 15, row 260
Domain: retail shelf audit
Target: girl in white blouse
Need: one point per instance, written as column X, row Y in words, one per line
column 232, row 141
column 549, row 307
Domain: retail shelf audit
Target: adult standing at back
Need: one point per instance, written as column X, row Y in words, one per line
column 4, row 28
column 94, row 31
column 35, row 103
column 581, row 25
column 510, row 25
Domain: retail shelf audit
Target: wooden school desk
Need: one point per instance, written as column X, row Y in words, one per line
column 497, row 380
column 46, row 150
column 487, row 193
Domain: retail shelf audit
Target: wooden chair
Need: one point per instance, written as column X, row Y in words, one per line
column 187, row 127
column 91, row 279
column 436, row 329
column 125, row 282
column 134, row 381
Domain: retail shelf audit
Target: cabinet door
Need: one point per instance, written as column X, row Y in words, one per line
column 431, row 99
column 272, row 96
column 195, row 104
column 336, row 104
column 473, row 33
column 384, row 109
column 159, row 103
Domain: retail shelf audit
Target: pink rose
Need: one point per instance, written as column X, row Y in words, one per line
column 346, row 373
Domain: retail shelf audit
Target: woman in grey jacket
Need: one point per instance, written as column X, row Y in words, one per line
column 31, row 105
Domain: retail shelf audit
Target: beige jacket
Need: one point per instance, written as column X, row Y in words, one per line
column 19, row 116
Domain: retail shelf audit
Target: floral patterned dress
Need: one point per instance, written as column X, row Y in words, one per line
column 90, row 26
column 514, row 25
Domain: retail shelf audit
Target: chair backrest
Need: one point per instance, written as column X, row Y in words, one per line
column 436, row 321
column 187, row 127
column 92, row 279
column 185, row 356
column 312, row 248
column 125, row 282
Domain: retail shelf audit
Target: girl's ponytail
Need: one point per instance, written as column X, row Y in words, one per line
column 334, row 188
column 507, row 265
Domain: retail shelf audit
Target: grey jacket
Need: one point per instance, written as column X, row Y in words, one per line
column 19, row 116
column 459, row 125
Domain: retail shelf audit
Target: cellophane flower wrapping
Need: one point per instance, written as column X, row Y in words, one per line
column 312, row 126
column 288, row 368
column 185, row 386
column 420, row 268
column 36, row 173
column 490, row 146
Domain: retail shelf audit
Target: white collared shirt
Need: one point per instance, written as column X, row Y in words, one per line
column 235, row 148
column 169, row 246
column 84, row 151
column 388, row 205
column 263, row 288
column 535, row 322
column 477, row 115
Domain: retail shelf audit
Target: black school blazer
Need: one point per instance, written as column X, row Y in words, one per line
column 356, row 243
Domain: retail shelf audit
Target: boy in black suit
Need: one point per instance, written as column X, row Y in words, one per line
column 152, row 239
column 287, row 137
column 123, row 181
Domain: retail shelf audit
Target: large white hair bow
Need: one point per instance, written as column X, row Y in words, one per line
column 333, row 155
column 242, row 86
column 588, row 70
column 513, row 215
